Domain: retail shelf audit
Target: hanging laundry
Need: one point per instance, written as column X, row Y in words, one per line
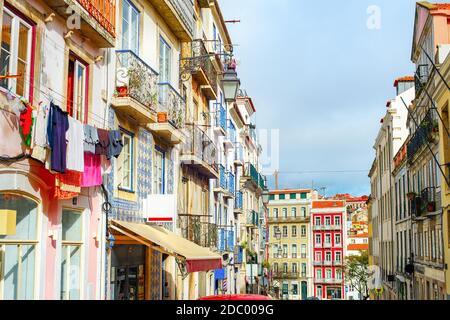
column 67, row 185
column 75, row 145
column 115, row 144
column 59, row 127
column 103, row 142
column 26, row 124
column 106, row 166
column 90, row 138
column 40, row 142
column 92, row 175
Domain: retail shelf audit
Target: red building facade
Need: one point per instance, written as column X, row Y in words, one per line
column 328, row 238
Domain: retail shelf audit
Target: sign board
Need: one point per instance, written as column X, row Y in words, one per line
column 159, row 208
column 7, row 222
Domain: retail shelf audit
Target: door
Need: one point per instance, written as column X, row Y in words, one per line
column 129, row 283
column 304, row 290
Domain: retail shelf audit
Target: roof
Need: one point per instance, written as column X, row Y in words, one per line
column 281, row 191
column 358, row 246
column 322, row 204
column 403, row 79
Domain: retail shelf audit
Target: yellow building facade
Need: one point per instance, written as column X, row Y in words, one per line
column 290, row 245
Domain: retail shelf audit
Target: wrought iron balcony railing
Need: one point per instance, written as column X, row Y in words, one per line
column 172, row 103
column 231, row 131
column 104, row 11
column 225, row 240
column 286, row 274
column 257, row 178
column 222, row 177
column 422, row 135
column 238, row 204
column 427, row 202
column 185, row 10
column 197, row 229
column 230, row 182
column 220, row 117
column 199, row 145
column 253, row 218
column 136, row 79
column 421, row 77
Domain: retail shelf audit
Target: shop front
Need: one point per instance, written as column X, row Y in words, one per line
column 147, row 260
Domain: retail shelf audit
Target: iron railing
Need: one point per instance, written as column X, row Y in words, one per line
column 231, row 131
column 199, row 145
column 136, row 79
column 230, row 182
column 251, row 172
column 225, row 240
column 220, row 119
column 197, row 229
column 104, row 11
column 171, row 102
column 286, row 275
column 422, row 135
column 238, row 204
column 222, row 182
column 185, row 10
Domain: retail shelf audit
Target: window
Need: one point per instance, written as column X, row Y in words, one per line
column 339, row 274
column 327, row 221
column 292, row 196
column 338, row 256
column 285, row 232
column 275, row 251
column 303, row 212
column 319, row 292
column 303, row 231
column 125, row 163
column 275, row 212
column 294, row 289
column 304, row 253
column 294, row 231
column 77, row 84
column 318, row 256
column 318, row 239
column 294, row 212
column 285, row 267
column 285, row 289
column 285, row 250
column 294, row 268
column 130, row 27
column 317, row 221
column 18, row 250
column 281, row 197
column 328, row 238
column 72, row 235
column 271, row 197
column 284, row 212
column 165, row 61
column 425, row 244
column 16, row 54
column 337, row 221
column 328, row 274
column 294, row 251
column 318, row 273
column 275, row 267
column 303, row 195
column 158, row 171
column 327, row 256
column 303, row 269
column 337, row 239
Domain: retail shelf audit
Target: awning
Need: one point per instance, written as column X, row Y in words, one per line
column 197, row 258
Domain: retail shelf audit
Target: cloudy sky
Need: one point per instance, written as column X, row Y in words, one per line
column 320, row 75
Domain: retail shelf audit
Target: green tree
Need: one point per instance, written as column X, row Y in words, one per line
column 357, row 273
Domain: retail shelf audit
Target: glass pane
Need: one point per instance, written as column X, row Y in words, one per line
column 64, row 270
column 19, row 286
column 75, row 263
column 20, row 81
column 125, row 25
column 80, row 78
column 26, row 216
column 71, row 225
column 135, row 31
column 5, row 54
column 22, row 53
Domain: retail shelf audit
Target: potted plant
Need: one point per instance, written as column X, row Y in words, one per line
column 431, row 206
column 122, row 91
column 162, row 117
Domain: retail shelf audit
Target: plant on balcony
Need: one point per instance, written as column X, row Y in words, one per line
column 431, row 206
column 411, row 195
column 162, row 117
column 122, row 91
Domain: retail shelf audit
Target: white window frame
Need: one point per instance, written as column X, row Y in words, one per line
column 159, row 181
column 130, row 45
column 120, row 162
column 13, row 52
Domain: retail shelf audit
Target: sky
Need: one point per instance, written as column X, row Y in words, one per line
column 321, row 73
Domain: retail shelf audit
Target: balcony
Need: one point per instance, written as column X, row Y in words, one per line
column 230, row 183
column 197, row 229
column 238, row 255
column 238, row 202
column 428, row 202
column 318, row 245
column 179, row 16
column 201, row 68
column 338, row 263
column 239, row 155
column 336, row 227
column 327, row 245
column 328, row 281
column 252, row 178
column 98, row 18
column 230, row 137
column 286, row 275
column 225, row 240
column 421, row 78
column 327, row 263
column 199, row 152
column 173, row 107
column 427, row 132
column 220, row 119
column 289, row 219
column 318, row 263
column 136, row 86
column 252, row 219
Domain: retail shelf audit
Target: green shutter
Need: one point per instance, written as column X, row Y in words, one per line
column 282, row 196
column 293, row 195
column 304, row 195
column 271, row 197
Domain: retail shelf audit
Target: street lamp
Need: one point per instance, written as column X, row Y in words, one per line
column 230, row 84
column 265, row 196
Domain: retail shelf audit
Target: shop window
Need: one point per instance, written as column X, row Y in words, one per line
column 16, row 55
column 125, row 167
column 71, row 250
column 18, row 248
